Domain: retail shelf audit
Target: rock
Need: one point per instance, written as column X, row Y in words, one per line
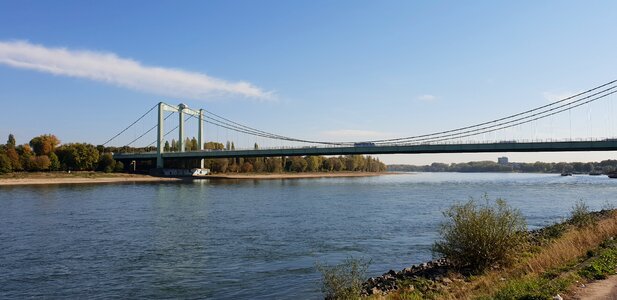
column 558, row 297
column 375, row 291
column 446, row 281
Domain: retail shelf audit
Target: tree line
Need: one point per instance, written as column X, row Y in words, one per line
column 605, row 166
column 45, row 153
column 352, row 163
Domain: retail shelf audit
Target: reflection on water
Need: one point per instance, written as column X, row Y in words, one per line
column 244, row 238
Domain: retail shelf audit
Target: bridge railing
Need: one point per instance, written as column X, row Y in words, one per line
column 451, row 142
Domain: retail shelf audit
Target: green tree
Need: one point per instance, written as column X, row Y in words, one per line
column 312, row 163
column 106, row 163
column 297, row 164
column 54, row 162
column 167, row 147
column 5, row 163
column 78, row 156
column 256, row 147
column 25, row 153
column 274, row 164
column 119, row 167
column 214, row 146
column 11, row 141
column 220, row 165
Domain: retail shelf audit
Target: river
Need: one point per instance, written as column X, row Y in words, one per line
column 245, row 239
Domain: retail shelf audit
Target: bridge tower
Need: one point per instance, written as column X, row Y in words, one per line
column 181, row 109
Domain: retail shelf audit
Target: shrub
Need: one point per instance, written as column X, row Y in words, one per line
column 480, row 236
column 580, row 216
column 343, row 281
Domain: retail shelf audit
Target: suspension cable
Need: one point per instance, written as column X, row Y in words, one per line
column 125, row 129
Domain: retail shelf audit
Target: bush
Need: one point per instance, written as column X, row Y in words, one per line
column 480, row 236
column 580, row 216
column 343, row 281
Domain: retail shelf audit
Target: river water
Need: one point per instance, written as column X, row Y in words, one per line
column 245, row 239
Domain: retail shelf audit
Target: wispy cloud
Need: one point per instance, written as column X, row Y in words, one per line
column 556, row 96
column 110, row 68
column 427, row 97
column 354, row 134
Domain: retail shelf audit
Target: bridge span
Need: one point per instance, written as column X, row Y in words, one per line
column 560, row 146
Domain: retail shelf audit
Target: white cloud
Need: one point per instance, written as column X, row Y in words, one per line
column 353, row 134
column 109, row 68
column 427, row 97
column 556, row 96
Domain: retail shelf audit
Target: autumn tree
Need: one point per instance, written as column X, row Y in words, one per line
column 44, row 144
column 39, row 163
column 246, row 167
column 13, row 156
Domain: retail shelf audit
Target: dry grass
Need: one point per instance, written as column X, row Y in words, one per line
column 566, row 249
column 573, row 244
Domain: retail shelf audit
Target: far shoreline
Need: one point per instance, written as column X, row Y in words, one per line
column 55, row 178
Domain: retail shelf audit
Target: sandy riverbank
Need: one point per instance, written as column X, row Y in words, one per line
column 296, row 175
column 95, row 177
column 75, row 178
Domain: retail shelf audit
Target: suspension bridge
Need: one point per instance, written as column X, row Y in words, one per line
column 467, row 139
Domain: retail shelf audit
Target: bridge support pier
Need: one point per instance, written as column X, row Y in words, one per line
column 181, row 144
column 200, row 135
column 159, row 137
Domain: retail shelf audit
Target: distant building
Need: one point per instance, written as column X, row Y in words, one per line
column 502, row 160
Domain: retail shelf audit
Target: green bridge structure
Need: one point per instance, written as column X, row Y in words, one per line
column 558, row 146
column 448, row 141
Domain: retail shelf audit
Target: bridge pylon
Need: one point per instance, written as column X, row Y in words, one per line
column 181, row 109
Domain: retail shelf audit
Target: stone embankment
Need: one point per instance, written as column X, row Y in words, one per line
column 433, row 270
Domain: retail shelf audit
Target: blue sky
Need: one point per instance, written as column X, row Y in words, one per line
column 344, row 70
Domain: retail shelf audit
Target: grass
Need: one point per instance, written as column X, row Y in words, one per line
column 553, row 260
column 601, row 267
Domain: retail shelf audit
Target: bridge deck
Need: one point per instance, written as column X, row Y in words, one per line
column 605, row 145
